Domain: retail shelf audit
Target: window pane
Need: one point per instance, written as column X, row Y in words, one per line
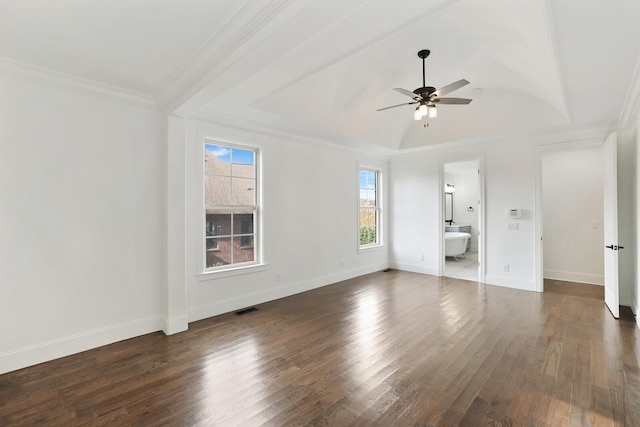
column 242, row 253
column 368, row 198
column 367, row 235
column 246, row 241
column 218, row 222
column 243, row 191
column 217, row 160
column 367, row 179
column 217, row 190
column 367, row 217
column 212, row 244
column 363, row 179
column 243, row 224
column 221, row 256
column 243, row 163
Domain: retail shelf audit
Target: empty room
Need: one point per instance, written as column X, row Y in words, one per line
column 354, row 212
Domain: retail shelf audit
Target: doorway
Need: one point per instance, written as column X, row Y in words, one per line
column 573, row 215
column 462, row 220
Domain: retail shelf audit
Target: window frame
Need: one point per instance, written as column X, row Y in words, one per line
column 378, row 208
column 255, row 208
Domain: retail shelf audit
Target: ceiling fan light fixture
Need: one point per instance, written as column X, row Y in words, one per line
column 425, row 96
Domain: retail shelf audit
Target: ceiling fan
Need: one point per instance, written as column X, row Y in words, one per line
column 428, row 96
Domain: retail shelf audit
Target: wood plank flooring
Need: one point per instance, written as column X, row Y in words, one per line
column 384, row 349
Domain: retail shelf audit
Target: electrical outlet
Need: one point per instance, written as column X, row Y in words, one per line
column 505, row 268
column 421, row 257
column 341, row 263
column 277, row 277
column 513, row 226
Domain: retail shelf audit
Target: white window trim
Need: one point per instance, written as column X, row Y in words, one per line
column 234, row 270
column 379, row 208
column 228, row 270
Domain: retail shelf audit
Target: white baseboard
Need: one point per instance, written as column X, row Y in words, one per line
column 175, row 325
column 414, row 268
column 571, row 276
column 54, row 349
column 233, row 304
column 507, row 282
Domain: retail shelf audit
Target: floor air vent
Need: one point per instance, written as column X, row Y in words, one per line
column 246, row 310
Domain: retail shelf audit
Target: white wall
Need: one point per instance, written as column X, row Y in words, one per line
column 415, row 205
column 84, row 183
column 90, row 178
column 510, row 181
column 82, row 224
column 573, row 215
column 511, row 176
column 310, row 221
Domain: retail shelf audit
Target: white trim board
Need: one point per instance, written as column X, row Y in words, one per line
column 76, row 84
column 507, row 282
column 571, row 276
column 243, row 301
column 414, row 268
column 66, row 346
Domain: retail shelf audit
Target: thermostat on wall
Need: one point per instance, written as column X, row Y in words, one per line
column 515, row 213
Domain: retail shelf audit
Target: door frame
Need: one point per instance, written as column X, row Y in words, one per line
column 481, row 212
column 595, row 142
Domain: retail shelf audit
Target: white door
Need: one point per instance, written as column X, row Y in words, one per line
column 611, row 291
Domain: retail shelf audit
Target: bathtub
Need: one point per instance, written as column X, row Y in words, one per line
column 455, row 243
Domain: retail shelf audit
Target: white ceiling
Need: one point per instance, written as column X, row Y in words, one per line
column 321, row 69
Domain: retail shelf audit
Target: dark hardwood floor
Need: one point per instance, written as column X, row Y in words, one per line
column 384, row 349
column 575, row 289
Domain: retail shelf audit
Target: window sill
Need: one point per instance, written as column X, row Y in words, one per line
column 371, row 248
column 231, row 272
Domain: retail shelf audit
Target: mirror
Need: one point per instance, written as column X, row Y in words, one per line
column 448, row 208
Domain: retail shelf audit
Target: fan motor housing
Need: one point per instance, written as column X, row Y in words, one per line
column 425, row 91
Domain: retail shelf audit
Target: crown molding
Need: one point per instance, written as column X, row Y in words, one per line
column 631, row 107
column 70, row 82
column 542, row 140
column 550, row 139
column 219, row 52
column 553, row 41
column 377, row 153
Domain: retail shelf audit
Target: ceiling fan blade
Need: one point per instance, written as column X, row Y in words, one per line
column 452, row 100
column 398, row 105
column 408, row 93
column 451, row 87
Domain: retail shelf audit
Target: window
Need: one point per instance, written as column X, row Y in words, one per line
column 230, row 203
column 369, row 214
